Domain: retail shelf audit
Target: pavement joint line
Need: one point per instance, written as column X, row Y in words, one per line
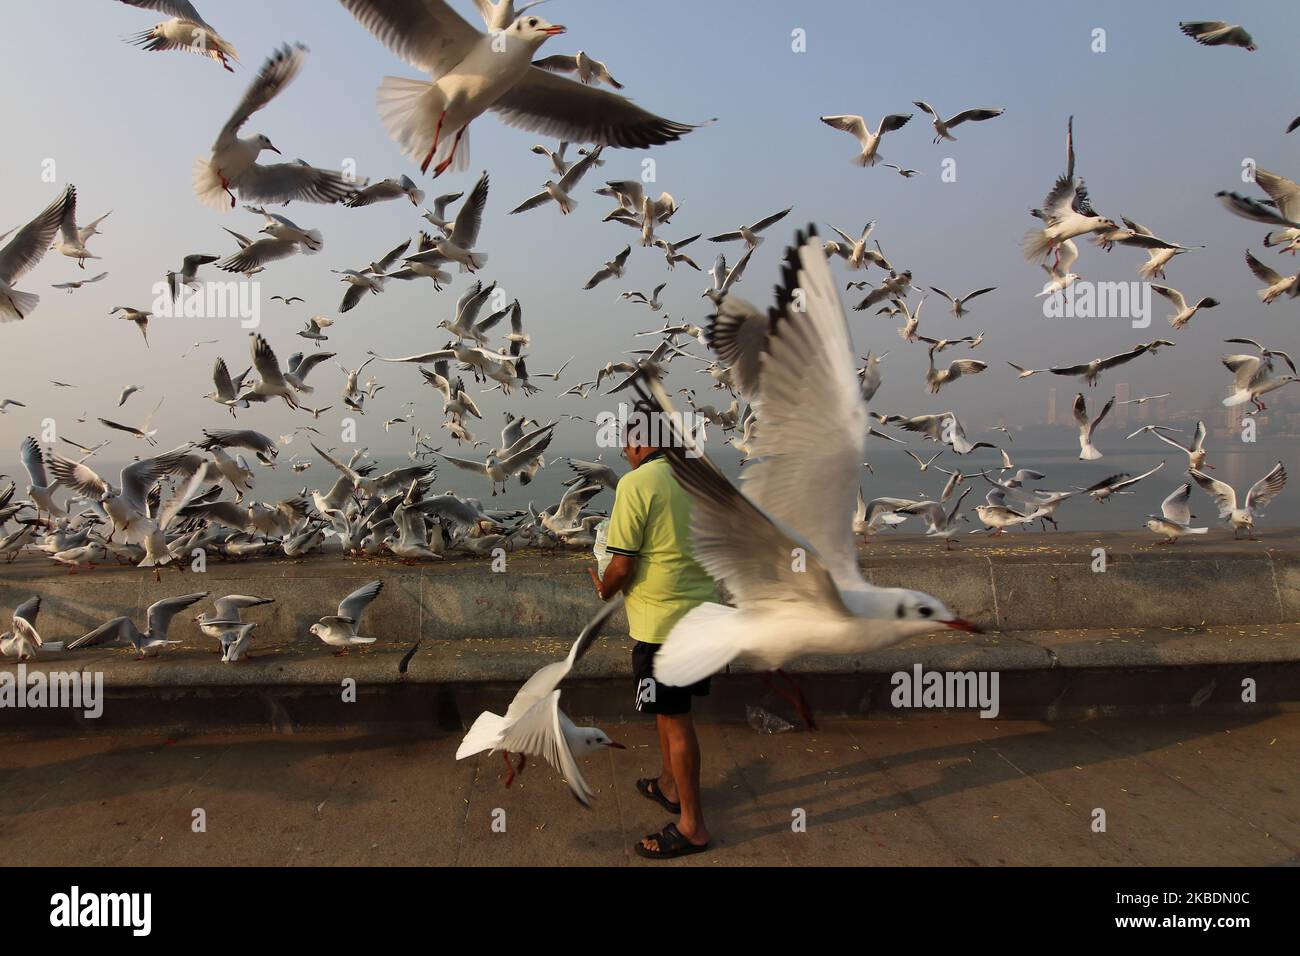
column 993, row 590
column 1208, row 801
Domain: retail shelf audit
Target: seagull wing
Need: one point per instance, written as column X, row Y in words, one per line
column 814, row 420
column 464, row 232
column 33, row 240
column 160, row 613
column 1223, row 493
column 355, row 604
column 34, row 462
column 276, row 73
column 539, row 732
column 556, row 106
column 1266, row 489
column 427, row 34
column 1176, row 507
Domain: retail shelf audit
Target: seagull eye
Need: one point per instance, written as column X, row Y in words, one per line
column 924, row 611
column 532, row 22
column 901, row 611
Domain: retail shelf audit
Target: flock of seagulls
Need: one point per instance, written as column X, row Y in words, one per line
column 794, row 398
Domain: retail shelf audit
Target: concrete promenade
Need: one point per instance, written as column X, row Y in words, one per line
column 1197, row 790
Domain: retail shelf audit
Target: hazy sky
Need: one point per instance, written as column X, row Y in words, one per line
column 1160, row 124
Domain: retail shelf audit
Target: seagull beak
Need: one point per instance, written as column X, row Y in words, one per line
column 961, row 624
column 616, row 746
column 273, row 149
column 554, row 31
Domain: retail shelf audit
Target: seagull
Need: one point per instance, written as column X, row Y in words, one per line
column 903, row 171
column 289, row 301
column 1285, row 196
column 1144, row 399
column 143, row 431
column 1087, row 452
column 127, row 393
column 23, row 641
column 959, row 304
column 271, row 381
column 1091, row 371
column 1184, row 312
column 186, row 30
column 227, row 389
column 997, row 516
column 589, row 71
column 1059, row 276
column 799, row 494
column 233, row 165
column 77, row 284
column 310, row 241
column 652, row 300
column 225, row 613
column 1196, row 452
column 724, row 278
column 1253, row 377
column 1067, row 211
column 28, row 248
column 1114, row 485
column 613, row 268
column 560, row 192
column 385, row 190
column 6, row 402
column 340, row 630
column 475, row 72
column 1175, row 516
column 158, row 617
column 458, row 245
column 253, row 255
column 315, row 328
column 556, row 156
column 895, row 287
column 936, row 379
column 869, row 141
column 1217, row 33
column 72, row 241
column 534, row 725
column 1257, row 499
column 438, row 215
column 499, row 469
column 40, row 491
column 370, row 279
column 942, row 126
column 235, row 642
column 939, row 523
column 138, row 316
column 943, row 428
column 1275, row 284
column 189, row 270
column 751, row 233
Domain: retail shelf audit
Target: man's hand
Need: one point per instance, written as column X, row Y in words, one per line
column 617, row 575
column 595, row 579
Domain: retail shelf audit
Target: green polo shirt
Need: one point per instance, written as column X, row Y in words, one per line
column 651, row 522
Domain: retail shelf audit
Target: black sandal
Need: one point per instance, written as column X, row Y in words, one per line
column 671, row 844
column 648, row 787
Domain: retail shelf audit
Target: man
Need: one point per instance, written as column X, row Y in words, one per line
column 649, row 543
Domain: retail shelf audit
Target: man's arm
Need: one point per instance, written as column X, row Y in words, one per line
column 617, row 574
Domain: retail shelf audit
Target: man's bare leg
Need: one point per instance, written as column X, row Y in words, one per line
column 684, row 758
column 667, row 785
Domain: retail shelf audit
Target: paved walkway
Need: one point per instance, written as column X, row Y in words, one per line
column 1205, row 791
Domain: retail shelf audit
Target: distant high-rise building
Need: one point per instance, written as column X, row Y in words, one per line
column 1051, row 405
column 1121, row 395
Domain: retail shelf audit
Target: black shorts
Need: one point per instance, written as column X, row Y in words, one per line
column 653, row 697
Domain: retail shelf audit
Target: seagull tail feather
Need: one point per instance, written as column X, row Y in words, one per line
column 482, row 735
column 703, row 642
column 207, row 186
column 409, row 111
column 1036, row 244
